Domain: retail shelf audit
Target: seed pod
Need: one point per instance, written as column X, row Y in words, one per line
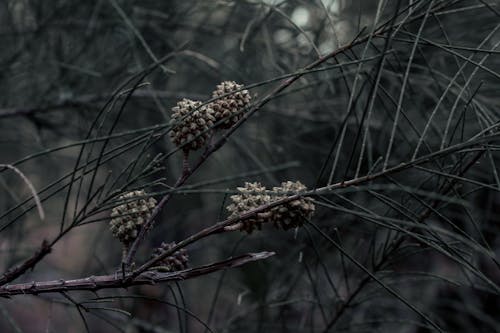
column 229, row 109
column 177, row 261
column 291, row 214
column 191, row 124
column 251, row 196
column 127, row 218
column 285, row 216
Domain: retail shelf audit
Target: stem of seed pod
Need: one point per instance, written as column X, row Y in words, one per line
column 185, row 162
column 234, row 227
column 211, row 140
column 124, row 251
column 123, row 265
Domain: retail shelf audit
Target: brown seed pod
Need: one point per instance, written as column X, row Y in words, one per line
column 191, row 124
column 291, row 214
column 229, row 109
column 251, row 196
column 285, row 216
column 128, row 217
column 177, row 261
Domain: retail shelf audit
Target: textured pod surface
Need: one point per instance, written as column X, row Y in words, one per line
column 229, row 109
column 251, row 196
column 191, row 124
column 128, row 218
column 177, row 261
column 285, row 216
column 292, row 213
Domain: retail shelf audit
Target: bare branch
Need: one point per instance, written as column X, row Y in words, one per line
column 14, row 272
column 94, row 283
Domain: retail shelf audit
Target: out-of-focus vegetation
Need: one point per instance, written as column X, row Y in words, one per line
column 399, row 132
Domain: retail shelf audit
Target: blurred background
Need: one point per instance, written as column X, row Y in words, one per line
column 428, row 233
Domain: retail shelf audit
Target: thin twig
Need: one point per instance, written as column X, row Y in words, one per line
column 219, row 143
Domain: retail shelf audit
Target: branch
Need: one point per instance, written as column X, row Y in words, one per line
column 222, row 140
column 14, row 272
column 94, row 283
column 217, row 145
column 226, row 224
column 396, row 245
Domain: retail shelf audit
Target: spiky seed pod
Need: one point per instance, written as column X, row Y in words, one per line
column 291, row 214
column 177, row 261
column 285, row 216
column 191, row 122
column 229, row 108
column 128, row 218
column 251, row 196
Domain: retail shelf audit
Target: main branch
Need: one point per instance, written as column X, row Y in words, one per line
column 94, row 283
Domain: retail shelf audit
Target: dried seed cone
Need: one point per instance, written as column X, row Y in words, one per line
column 285, row 216
column 229, row 109
column 177, row 261
column 251, row 196
column 128, row 218
column 191, row 123
column 291, row 214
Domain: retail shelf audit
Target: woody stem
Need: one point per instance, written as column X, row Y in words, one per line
column 185, row 162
